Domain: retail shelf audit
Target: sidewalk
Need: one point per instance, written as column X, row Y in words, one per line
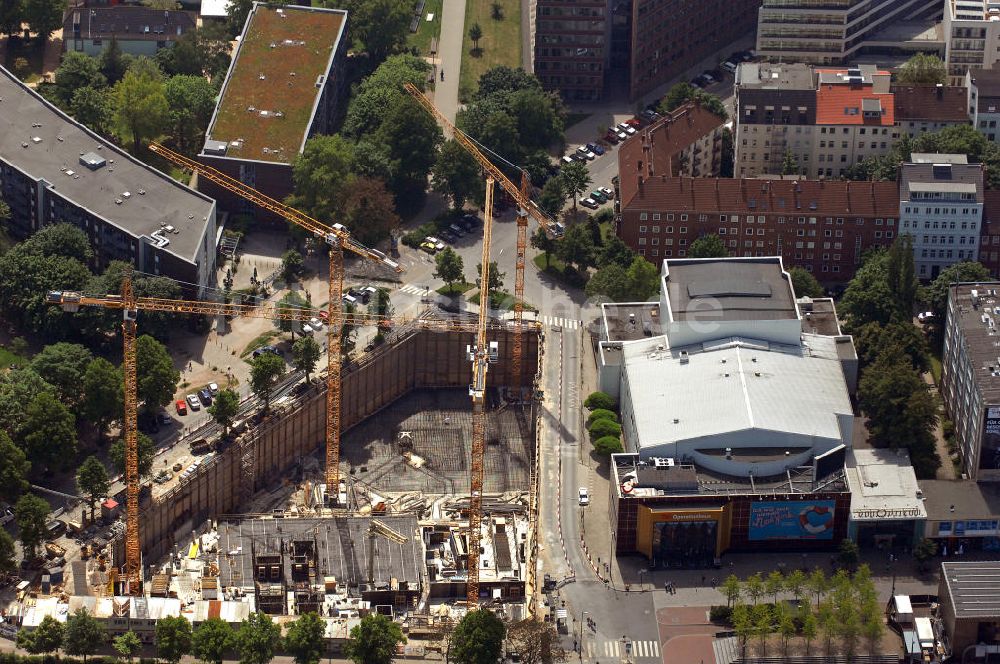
column 450, row 54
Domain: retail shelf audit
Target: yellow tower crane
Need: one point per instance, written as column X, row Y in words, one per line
column 376, row 528
column 339, row 239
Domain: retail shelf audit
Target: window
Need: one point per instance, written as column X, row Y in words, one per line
column 642, row 229
column 642, row 216
column 656, row 216
column 749, row 231
column 684, row 229
column 655, row 252
column 684, row 217
column 656, row 229
column 642, row 241
column 670, row 230
column 760, row 231
column 656, row 241
column 722, row 231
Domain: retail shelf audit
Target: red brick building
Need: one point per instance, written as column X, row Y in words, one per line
column 823, row 226
column 687, row 141
column 989, row 232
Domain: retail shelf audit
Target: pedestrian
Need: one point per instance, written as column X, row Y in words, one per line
column 666, row 586
column 702, row 579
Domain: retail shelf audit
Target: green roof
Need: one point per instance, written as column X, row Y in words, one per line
column 268, row 99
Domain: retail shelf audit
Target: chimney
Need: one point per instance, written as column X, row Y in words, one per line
column 639, row 164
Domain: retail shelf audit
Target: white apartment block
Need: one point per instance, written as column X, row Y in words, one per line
column 972, row 34
column 941, row 208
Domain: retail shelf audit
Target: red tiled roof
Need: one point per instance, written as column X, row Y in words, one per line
column 665, row 138
column 805, row 198
column 944, row 104
column 832, row 102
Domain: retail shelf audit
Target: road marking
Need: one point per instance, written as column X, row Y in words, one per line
column 614, row 648
column 556, row 321
column 412, row 290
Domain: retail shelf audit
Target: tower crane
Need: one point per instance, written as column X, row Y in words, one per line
column 338, row 239
column 376, row 528
column 525, row 207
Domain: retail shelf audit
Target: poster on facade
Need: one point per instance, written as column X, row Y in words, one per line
column 989, row 453
column 792, row 520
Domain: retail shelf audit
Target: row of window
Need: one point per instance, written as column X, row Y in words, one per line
column 947, row 239
column 938, row 212
column 735, row 218
column 940, row 253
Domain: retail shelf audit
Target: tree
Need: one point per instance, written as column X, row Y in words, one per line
column 112, row 64
column 103, row 394
column 157, row 377
column 305, row 354
column 62, row 365
column 84, row 634
column 924, row 551
column 475, row 34
column 478, row 638
column 211, row 639
column 795, row 582
column 635, row 284
column 77, row 71
column 411, row 137
column 191, row 100
column 496, row 11
column 11, row 17
column 304, row 639
column 601, row 414
column 495, row 281
column 774, row 584
column 848, row 553
column 536, row 642
column 761, row 617
column 743, row 625
column 17, row 387
column 265, row 369
column 786, row 625
column 608, row 445
column 804, row 283
column 370, row 211
column 575, row 179
column 379, row 27
column 92, row 107
column 936, row 293
column 381, row 90
column 456, row 173
column 44, row 16
column 7, row 562
column 708, row 246
column 173, row 638
column 14, row 468
column 868, row 297
column 601, row 428
column 49, row 432
column 322, row 176
column 900, row 274
column 540, row 240
column 92, row 479
column 754, row 587
column 615, row 252
column 140, row 102
column 46, row 638
column 257, row 638
column 127, row 645
column 874, row 168
column 374, row 640
column 922, row 69
column 681, row 93
column 731, row 588
column 449, row 267
column 576, row 248
column 809, row 626
column 292, row 265
column 789, row 165
column 643, row 280
column 873, row 340
column 226, row 405
column 146, row 450
column 597, row 400
column 553, row 196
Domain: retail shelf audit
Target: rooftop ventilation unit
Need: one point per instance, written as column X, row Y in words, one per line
column 92, row 160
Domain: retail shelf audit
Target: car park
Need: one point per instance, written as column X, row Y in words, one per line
column 205, row 396
column 193, row 402
column 587, row 154
column 608, row 193
column 588, row 203
column 584, row 496
column 595, row 148
column 599, row 196
column 181, row 407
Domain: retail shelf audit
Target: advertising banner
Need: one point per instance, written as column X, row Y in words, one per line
column 989, row 454
column 792, row 520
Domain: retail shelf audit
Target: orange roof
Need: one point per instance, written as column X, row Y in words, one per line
column 842, row 105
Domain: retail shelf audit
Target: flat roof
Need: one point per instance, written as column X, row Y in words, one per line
column 741, row 386
column 819, row 316
column 883, row 482
column 761, row 75
column 951, row 500
column 974, row 588
column 631, row 321
column 273, row 88
column 979, row 327
column 734, row 289
column 46, row 144
column 938, row 158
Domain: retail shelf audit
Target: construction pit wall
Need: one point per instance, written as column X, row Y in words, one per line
column 225, row 482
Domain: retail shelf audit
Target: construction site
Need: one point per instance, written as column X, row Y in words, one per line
column 400, row 482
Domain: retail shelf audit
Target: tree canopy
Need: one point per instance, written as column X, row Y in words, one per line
column 157, row 377
column 804, row 283
column 142, row 111
column 31, row 514
column 305, row 354
column 49, row 432
column 304, row 639
column 374, row 640
column 211, row 639
column 63, row 366
column 257, row 638
column 173, row 638
column 14, row 468
column 265, row 369
column 146, row 450
column 84, row 634
column 681, row 93
column 478, row 638
column 922, row 69
column 708, row 246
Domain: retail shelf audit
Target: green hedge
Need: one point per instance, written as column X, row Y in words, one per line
column 600, row 400
column 602, row 428
column 602, row 414
column 608, row 445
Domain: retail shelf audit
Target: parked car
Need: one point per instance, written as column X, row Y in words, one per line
column 925, row 316
column 193, row 402
column 707, row 76
column 610, row 137
column 633, row 122
column 456, row 229
column 697, row 82
column 588, row 203
column 347, row 298
column 428, row 247
column 587, row 154
column 448, row 236
column 438, row 244
column 213, row 388
column 599, row 196
column 315, row 324
column 307, row 330
column 367, row 293
column 181, row 407
column 576, row 156
column 55, row 528
column 205, row 396
column 729, row 66
column 621, row 133
column 324, row 315
column 165, row 418
column 266, row 349
column 568, row 159
column 608, row 193
column 627, row 128
column 649, row 115
column 471, row 221
column 595, row 148
column 584, row 496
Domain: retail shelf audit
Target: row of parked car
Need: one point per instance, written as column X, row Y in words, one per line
column 597, row 198
column 728, row 66
column 195, row 401
column 433, row 244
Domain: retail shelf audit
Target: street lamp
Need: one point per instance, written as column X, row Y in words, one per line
column 641, row 573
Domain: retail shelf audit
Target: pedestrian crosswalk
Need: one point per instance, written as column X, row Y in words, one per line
column 556, row 321
column 411, row 289
column 616, row 649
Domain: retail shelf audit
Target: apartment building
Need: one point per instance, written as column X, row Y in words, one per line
column 833, row 31
column 972, row 34
column 983, row 87
column 571, row 47
column 138, row 30
column 926, row 108
column 941, row 208
column 825, row 226
column 687, row 141
column 970, row 376
column 828, row 119
column 54, row 170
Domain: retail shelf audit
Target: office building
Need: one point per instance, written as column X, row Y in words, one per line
column 281, row 89
column 572, row 47
column 941, row 208
column 54, row 170
column 138, row 30
column 989, row 233
column 983, row 87
column 972, row 31
column 970, row 376
column 835, row 31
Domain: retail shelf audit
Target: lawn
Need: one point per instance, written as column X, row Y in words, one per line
column 427, row 30
column 262, row 340
column 500, row 43
column 456, row 289
column 557, row 269
column 936, row 369
column 25, row 59
column 502, row 300
column 8, row 358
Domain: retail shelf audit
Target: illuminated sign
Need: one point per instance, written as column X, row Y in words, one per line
column 792, row 520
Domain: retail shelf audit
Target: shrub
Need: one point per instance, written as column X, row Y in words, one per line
column 608, row 445
column 602, row 428
column 599, row 400
column 601, row 414
column 720, row 614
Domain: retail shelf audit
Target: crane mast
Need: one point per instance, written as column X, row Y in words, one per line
column 133, row 553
